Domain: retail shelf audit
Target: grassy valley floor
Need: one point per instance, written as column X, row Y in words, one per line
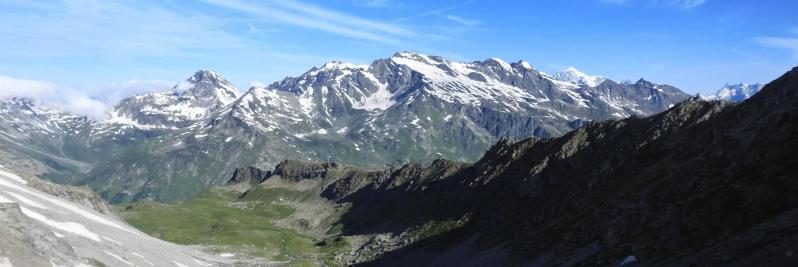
column 220, row 221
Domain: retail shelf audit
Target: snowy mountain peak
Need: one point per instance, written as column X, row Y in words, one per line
column 524, row 64
column 498, row 61
column 208, row 86
column 417, row 57
column 571, row 74
column 340, row 65
column 735, row 92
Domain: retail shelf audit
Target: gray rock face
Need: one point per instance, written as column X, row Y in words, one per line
column 249, row 175
column 26, row 243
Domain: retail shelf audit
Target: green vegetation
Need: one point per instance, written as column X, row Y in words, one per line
column 216, row 219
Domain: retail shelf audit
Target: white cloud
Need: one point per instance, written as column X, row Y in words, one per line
column 111, row 29
column 93, row 102
column 113, row 92
column 12, row 87
column 788, row 43
column 315, row 17
column 464, row 21
column 686, row 4
column 61, row 98
column 78, row 103
column 374, row 3
column 682, row 4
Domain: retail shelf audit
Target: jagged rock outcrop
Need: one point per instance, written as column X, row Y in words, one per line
column 250, row 175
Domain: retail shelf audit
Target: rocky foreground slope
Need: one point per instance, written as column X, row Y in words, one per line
column 703, row 184
column 43, row 224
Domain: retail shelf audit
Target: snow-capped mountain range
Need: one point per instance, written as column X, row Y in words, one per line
column 735, row 92
column 410, row 106
column 571, row 74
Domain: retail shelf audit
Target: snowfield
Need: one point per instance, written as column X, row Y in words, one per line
column 90, row 234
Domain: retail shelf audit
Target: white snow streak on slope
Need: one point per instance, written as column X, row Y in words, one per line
column 118, row 258
column 380, row 99
column 5, row 262
column 27, row 201
column 83, row 228
column 67, row 206
column 13, row 176
column 5, row 200
column 70, row 227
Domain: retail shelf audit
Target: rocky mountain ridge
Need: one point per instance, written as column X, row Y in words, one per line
column 703, row 183
column 169, row 146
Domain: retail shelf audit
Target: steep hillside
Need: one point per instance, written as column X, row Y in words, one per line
column 58, row 226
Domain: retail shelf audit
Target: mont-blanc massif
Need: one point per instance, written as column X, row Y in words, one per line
column 398, row 133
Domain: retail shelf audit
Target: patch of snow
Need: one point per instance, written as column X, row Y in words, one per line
column 27, row 201
column 571, row 74
column 502, row 63
column 69, row 227
column 629, row 259
column 66, row 206
column 526, row 65
column 379, row 99
column 227, row 255
column 227, row 140
column 13, row 176
column 123, row 260
column 111, row 240
column 5, row 200
column 339, row 65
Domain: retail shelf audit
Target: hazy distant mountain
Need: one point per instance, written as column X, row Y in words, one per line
column 407, row 107
column 571, row 74
column 735, row 92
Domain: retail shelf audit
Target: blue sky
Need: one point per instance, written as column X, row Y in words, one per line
column 108, row 49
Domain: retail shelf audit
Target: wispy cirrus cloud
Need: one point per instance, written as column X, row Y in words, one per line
column 376, row 3
column 110, row 29
column 319, row 18
column 463, row 21
column 681, row 4
column 789, row 43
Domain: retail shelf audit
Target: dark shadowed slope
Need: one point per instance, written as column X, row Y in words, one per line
column 703, row 183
